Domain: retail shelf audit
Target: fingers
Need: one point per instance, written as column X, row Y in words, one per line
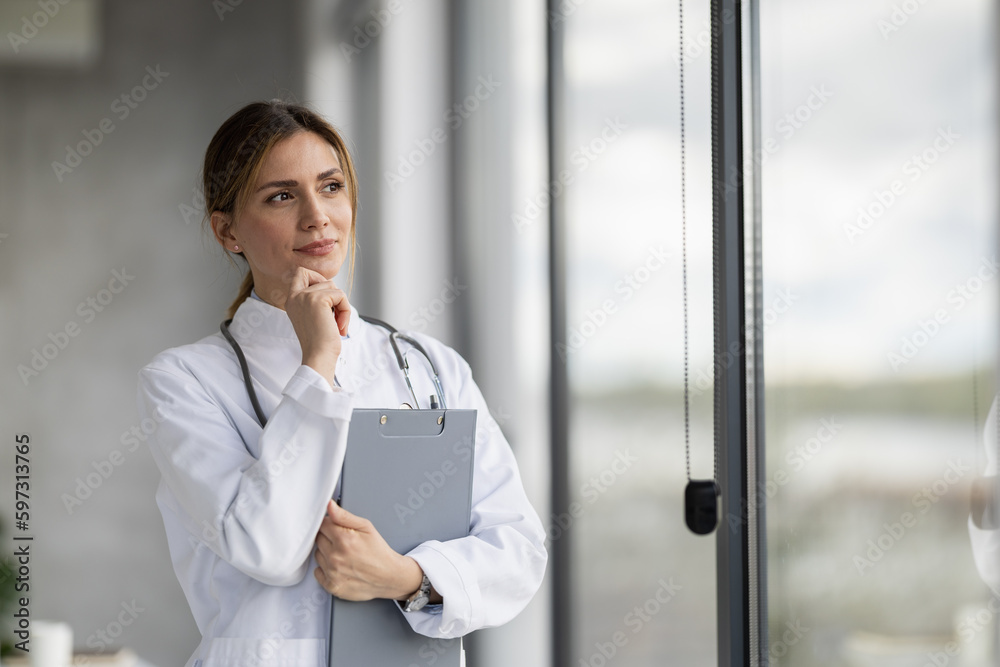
column 307, row 280
column 326, row 560
column 332, row 574
column 303, row 278
column 324, row 581
column 325, row 536
column 354, row 562
column 341, row 517
column 342, row 310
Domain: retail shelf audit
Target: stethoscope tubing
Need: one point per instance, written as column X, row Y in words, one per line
column 401, row 360
column 246, row 372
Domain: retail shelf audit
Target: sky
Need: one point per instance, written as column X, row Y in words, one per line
column 879, row 212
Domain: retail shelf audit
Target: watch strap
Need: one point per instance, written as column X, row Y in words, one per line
column 420, row 597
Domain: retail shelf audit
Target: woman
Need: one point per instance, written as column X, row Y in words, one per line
column 256, row 542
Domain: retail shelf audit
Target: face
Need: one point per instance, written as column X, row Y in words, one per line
column 298, row 214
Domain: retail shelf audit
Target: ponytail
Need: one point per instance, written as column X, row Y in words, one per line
column 243, row 295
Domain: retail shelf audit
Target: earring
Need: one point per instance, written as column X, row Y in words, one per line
column 236, row 248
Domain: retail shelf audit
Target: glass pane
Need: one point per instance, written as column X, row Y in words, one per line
column 880, row 299
column 645, row 586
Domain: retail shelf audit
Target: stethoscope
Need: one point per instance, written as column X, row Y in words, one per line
column 436, row 402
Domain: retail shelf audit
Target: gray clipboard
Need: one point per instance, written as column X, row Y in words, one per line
column 409, row 472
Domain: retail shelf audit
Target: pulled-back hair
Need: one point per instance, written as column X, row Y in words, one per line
column 237, row 153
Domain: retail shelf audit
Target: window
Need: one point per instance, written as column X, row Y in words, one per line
column 879, row 236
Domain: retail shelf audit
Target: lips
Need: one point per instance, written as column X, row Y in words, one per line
column 318, row 248
column 317, row 245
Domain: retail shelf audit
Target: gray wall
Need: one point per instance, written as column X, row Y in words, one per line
column 118, row 210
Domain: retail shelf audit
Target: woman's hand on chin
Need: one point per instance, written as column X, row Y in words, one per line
column 320, row 314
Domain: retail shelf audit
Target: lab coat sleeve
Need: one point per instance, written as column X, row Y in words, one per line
column 487, row 578
column 986, row 543
column 259, row 515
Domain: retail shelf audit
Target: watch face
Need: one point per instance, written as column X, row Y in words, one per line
column 419, row 599
column 417, row 603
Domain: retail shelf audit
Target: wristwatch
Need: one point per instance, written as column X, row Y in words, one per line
column 419, row 599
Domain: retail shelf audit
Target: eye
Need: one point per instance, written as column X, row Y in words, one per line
column 281, row 196
column 336, row 185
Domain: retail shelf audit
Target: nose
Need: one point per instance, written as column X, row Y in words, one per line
column 312, row 213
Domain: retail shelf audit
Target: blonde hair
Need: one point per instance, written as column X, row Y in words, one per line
column 236, row 155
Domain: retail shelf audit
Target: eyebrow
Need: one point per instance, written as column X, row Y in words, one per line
column 293, row 183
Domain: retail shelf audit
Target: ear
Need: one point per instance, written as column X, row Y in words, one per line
column 222, row 227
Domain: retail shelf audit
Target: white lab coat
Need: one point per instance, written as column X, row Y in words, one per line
column 986, row 543
column 241, row 506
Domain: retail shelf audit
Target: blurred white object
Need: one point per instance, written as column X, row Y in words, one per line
column 51, row 644
column 123, row 657
column 986, row 542
column 975, row 629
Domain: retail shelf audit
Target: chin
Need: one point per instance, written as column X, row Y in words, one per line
column 328, row 267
